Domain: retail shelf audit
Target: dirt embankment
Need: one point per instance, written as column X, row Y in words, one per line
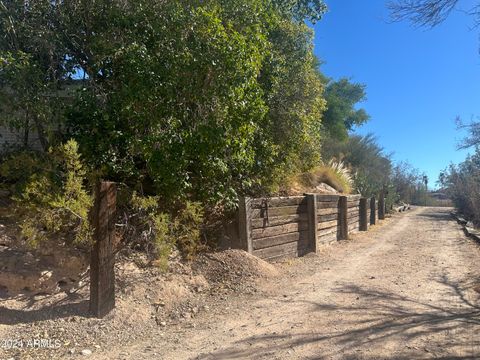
column 34, row 306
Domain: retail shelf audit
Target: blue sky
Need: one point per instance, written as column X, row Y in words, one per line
column 418, row 80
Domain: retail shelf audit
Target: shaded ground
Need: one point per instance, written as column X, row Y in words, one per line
column 407, row 289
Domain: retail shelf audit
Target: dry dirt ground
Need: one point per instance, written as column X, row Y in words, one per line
column 407, row 289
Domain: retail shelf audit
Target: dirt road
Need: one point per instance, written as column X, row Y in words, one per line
column 405, row 290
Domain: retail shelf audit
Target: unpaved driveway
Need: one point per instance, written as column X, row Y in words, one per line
column 405, row 290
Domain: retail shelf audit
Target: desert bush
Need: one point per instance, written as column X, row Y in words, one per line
column 462, row 184
column 50, row 199
column 151, row 228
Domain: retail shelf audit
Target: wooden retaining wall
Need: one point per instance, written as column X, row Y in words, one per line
column 281, row 227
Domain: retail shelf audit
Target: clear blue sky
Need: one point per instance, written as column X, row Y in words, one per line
column 418, row 80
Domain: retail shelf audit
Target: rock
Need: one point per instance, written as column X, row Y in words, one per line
column 46, row 274
column 86, row 352
column 325, row 188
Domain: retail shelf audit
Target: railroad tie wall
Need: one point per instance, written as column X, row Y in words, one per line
column 279, row 227
column 282, row 227
column 353, row 213
column 327, row 218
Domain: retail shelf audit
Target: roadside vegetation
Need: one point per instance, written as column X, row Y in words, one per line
column 187, row 105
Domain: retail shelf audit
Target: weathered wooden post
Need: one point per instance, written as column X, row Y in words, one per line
column 102, row 271
column 373, row 211
column 363, row 215
column 343, row 218
column 381, row 206
column 245, row 224
column 312, row 220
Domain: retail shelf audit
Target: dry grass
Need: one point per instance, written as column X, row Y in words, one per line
column 334, row 174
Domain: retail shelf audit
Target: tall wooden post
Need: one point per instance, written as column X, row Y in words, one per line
column 373, row 211
column 342, row 218
column 381, row 206
column 245, row 224
column 312, row 220
column 363, row 215
column 102, row 272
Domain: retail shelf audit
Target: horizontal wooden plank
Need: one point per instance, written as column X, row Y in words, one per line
column 297, row 237
column 353, row 214
column 329, row 217
column 327, row 211
column 353, row 204
column 278, row 201
column 279, row 230
column 327, row 204
column 327, row 238
column 330, row 230
column 327, row 224
column 321, row 198
column 281, row 250
column 353, row 221
column 278, row 220
column 279, row 211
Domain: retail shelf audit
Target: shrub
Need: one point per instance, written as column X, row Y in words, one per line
column 337, row 175
column 50, row 198
column 157, row 232
column 462, row 184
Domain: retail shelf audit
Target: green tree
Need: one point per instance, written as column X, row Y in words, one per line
column 32, row 65
column 198, row 100
column 341, row 115
column 370, row 166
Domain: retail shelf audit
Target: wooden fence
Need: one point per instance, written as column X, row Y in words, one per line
column 274, row 228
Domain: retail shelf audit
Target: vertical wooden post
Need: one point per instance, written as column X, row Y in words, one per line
column 342, row 218
column 363, row 216
column 102, row 272
column 245, row 224
column 373, row 211
column 381, row 206
column 312, row 220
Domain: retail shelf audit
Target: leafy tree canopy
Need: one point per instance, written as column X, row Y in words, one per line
column 341, row 115
column 185, row 99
